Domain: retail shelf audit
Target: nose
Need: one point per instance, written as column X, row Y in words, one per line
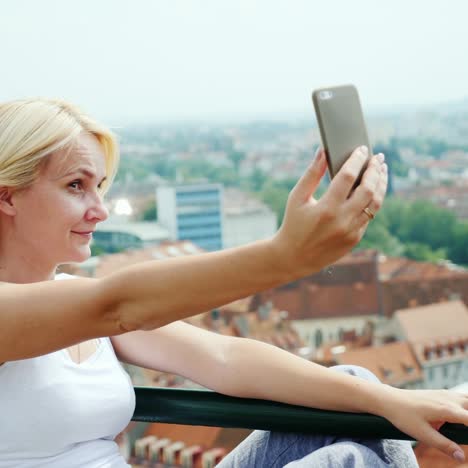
column 98, row 212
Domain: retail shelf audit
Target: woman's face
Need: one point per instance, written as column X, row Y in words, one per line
column 56, row 216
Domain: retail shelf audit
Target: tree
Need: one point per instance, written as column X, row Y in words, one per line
column 276, row 198
column 257, row 179
column 378, row 237
column 97, row 250
column 150, row 213
column 423, row 252
column 458, row 248
column 236, row 157
column 424, row 223
column 393, row 160
column 393, row 211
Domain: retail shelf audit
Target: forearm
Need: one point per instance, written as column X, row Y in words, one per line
column 152, row 294
column 259, row 370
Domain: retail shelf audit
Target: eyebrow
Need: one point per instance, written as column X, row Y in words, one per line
column 85, row 172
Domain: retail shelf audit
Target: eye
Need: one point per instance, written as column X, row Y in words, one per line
column 76, row 184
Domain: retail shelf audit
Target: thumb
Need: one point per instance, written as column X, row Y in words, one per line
column 310, row 180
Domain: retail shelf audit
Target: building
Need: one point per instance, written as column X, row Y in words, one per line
column 104, row 265
column 192, row 212
column 172, row 445
column 438, row 336
column 114, row 236
column 393, row 363
column 345, row 296
column 451, row 197
column 246, row 219
column 362, row 288
column 408, row 283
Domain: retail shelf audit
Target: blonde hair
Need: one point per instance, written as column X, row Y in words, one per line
column 32, row 129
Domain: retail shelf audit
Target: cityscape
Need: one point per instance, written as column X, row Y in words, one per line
column 211, row 106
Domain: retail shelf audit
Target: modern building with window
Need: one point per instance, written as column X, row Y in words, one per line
column 192, row 212
column 116, row 236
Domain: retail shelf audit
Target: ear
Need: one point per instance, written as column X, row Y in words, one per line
column 6, row 201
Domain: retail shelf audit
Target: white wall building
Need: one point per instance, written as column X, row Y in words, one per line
column 438, row 335
column 246, row 219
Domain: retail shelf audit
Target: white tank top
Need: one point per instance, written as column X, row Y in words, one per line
column 56, row 413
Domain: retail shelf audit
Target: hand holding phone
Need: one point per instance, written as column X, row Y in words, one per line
column 341, row 124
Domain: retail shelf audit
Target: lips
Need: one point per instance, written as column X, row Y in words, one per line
column 88, row 235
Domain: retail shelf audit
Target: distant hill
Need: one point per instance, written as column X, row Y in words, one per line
column 458, row 106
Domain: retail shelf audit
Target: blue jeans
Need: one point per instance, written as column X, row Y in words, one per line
column 265, row 449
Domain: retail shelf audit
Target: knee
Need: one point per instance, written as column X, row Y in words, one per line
column 358, row 371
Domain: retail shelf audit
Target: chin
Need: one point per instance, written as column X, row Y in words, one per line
column 79, row 256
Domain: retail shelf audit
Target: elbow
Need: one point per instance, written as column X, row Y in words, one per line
column 232, row 361
column 124, row 308
column 114, row 307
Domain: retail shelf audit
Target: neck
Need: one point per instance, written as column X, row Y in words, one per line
column 22, row 260
column 19, row 277
column 18, row 267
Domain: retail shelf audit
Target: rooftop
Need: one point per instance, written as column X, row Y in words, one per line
column 436, row 331
column 446, row 320
column 113, row 262
column 392, row 363
column 145, row 230
column 238, row 202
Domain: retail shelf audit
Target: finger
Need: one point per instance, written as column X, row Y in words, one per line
column 343, row 182
column 435, row 439
column 310, row 180
column 377, row 201
column 437, row 424
column 367, row 190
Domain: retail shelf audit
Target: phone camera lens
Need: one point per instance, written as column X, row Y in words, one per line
column 325, row 95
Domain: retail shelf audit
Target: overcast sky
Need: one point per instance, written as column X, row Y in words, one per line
column 167, row 59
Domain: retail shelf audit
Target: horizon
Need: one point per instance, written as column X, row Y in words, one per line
column 128, row 62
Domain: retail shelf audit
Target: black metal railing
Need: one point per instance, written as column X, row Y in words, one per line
column 207, row 408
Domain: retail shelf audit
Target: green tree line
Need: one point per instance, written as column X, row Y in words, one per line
column 417, row 230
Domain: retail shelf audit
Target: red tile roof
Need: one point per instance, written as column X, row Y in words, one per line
column 422, row 325
column 401, row 269
column 347, row 288
column 437, row 331
column 392, row 363
column 113, row 262
column 205, row 436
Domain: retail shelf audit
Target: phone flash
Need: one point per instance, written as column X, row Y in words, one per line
column 325, row 95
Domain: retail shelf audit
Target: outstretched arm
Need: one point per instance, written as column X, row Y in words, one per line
column 251, row 369
column 245, row 368
column 313, row 235
column 42, row 317
column 258, row 370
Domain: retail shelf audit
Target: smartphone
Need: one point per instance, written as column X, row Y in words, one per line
column 341, row 124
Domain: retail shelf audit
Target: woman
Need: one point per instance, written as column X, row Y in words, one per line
column 63, row 394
